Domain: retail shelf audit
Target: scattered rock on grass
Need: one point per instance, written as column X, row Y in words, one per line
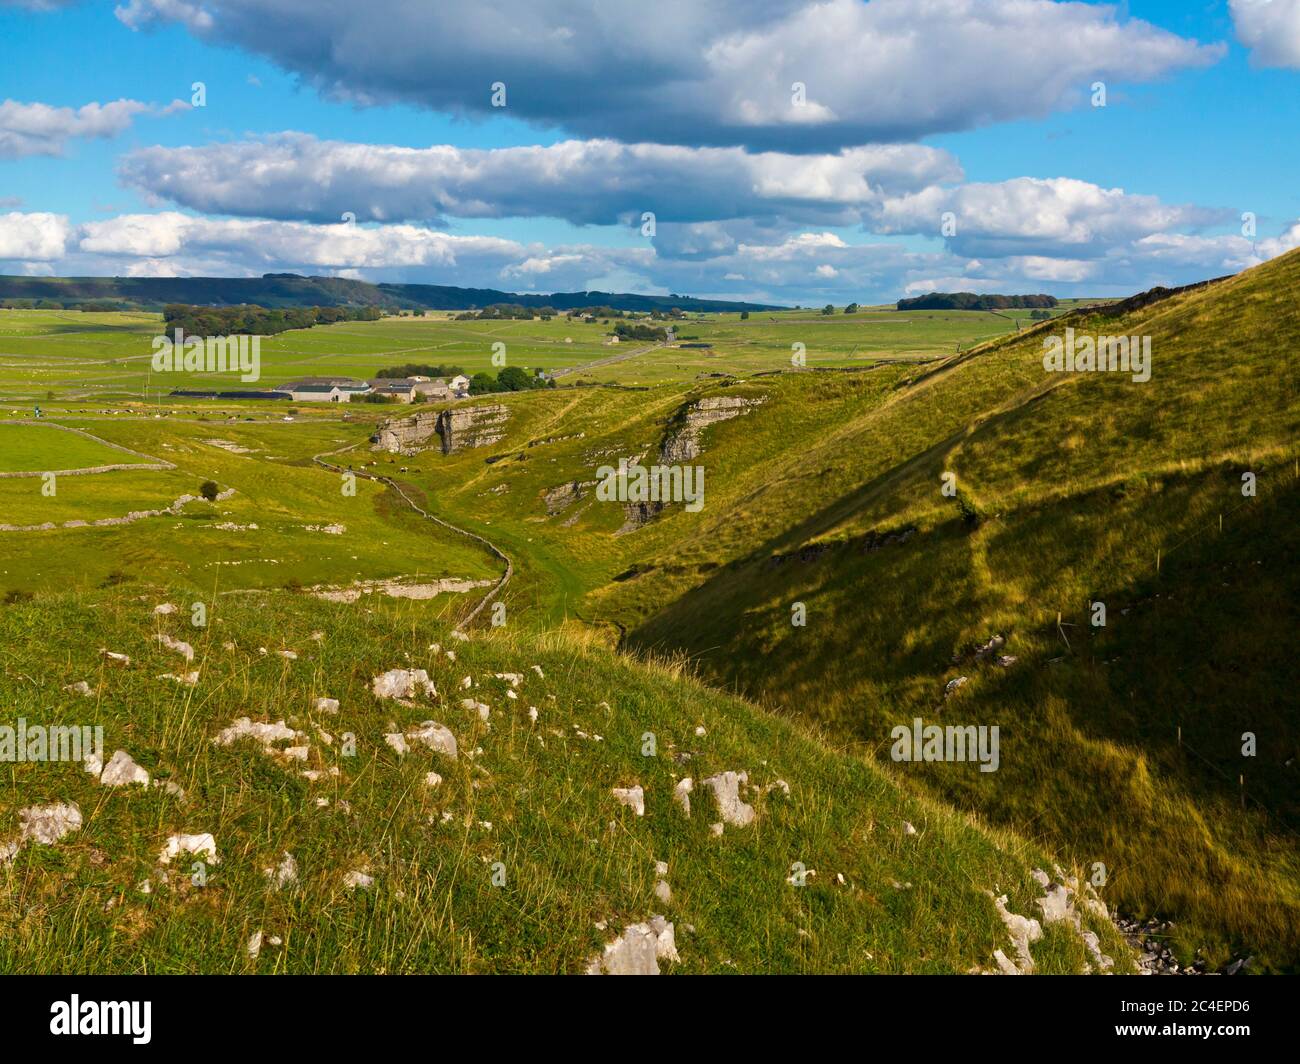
column 726, row 789
column 682, row 794
column 181, row 647
column 47, row 824
column 632, row 797
column 122, row 770
column 403, row 683
column 285, row 874
column 1023, row 930
column 436, row 737
column 203, row 845
column 1093, row 944
column 484, row 711
column 638, row 950
column 260, row 732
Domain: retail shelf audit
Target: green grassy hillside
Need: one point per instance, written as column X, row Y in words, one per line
column 520, row 859
column 923, row 489
column 1073, row 489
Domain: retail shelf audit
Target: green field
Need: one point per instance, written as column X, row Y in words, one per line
column 32, row 448
column 277, row 489
column 72, row 356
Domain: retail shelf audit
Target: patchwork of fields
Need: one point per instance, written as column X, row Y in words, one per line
column 827, row 579
column 48, row 355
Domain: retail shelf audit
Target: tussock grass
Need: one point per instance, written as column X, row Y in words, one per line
column 572, row 857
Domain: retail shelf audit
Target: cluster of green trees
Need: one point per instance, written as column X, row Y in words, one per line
column 595, row 312
column 417, row 369
column 510, row 379
column 655, row 333
column 507, row 312
column 258, row 321
column 971, row 301
column 94, row 305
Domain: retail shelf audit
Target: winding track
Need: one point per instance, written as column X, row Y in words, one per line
column 319, row 459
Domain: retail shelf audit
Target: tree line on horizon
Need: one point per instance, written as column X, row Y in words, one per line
column 971, row 301
column 258, row 321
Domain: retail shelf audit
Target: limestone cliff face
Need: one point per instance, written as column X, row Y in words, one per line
column 638, row 515
column 472, row 426
column 559, row 499
column 405, row 435
column 682, row 444
column 467, row 426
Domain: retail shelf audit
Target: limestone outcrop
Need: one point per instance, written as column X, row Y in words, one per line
column 472, row 426
column 406, row 435
column 465, row 426
column 682, row 444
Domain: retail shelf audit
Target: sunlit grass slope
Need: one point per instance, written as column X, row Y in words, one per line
column 1072, row 489
column 519, row 860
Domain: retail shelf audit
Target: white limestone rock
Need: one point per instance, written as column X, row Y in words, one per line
column 403, row 683
column 285, row 874
column 201, row 845
column 726, row 789
column 122, row 770
column 47, row 824
column 182, row 648
column 632, row 797
column 436, row 737
column 682, row 794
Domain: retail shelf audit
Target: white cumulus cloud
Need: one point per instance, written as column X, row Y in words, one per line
column 40, row 129
column 1270, row 29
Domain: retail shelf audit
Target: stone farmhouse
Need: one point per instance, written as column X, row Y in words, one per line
column 324, row 389
column 407, row 389
column 345, row 389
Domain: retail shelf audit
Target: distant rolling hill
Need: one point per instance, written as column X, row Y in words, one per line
column 293, row 290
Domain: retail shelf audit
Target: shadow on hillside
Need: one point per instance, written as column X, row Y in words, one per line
column 1209, row 645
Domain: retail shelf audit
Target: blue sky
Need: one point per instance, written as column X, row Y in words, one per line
column 980, row 111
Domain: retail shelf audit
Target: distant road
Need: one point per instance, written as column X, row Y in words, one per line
column 623, row 356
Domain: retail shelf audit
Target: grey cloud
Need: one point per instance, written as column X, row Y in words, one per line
column 296, row 176
column 679, row 72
